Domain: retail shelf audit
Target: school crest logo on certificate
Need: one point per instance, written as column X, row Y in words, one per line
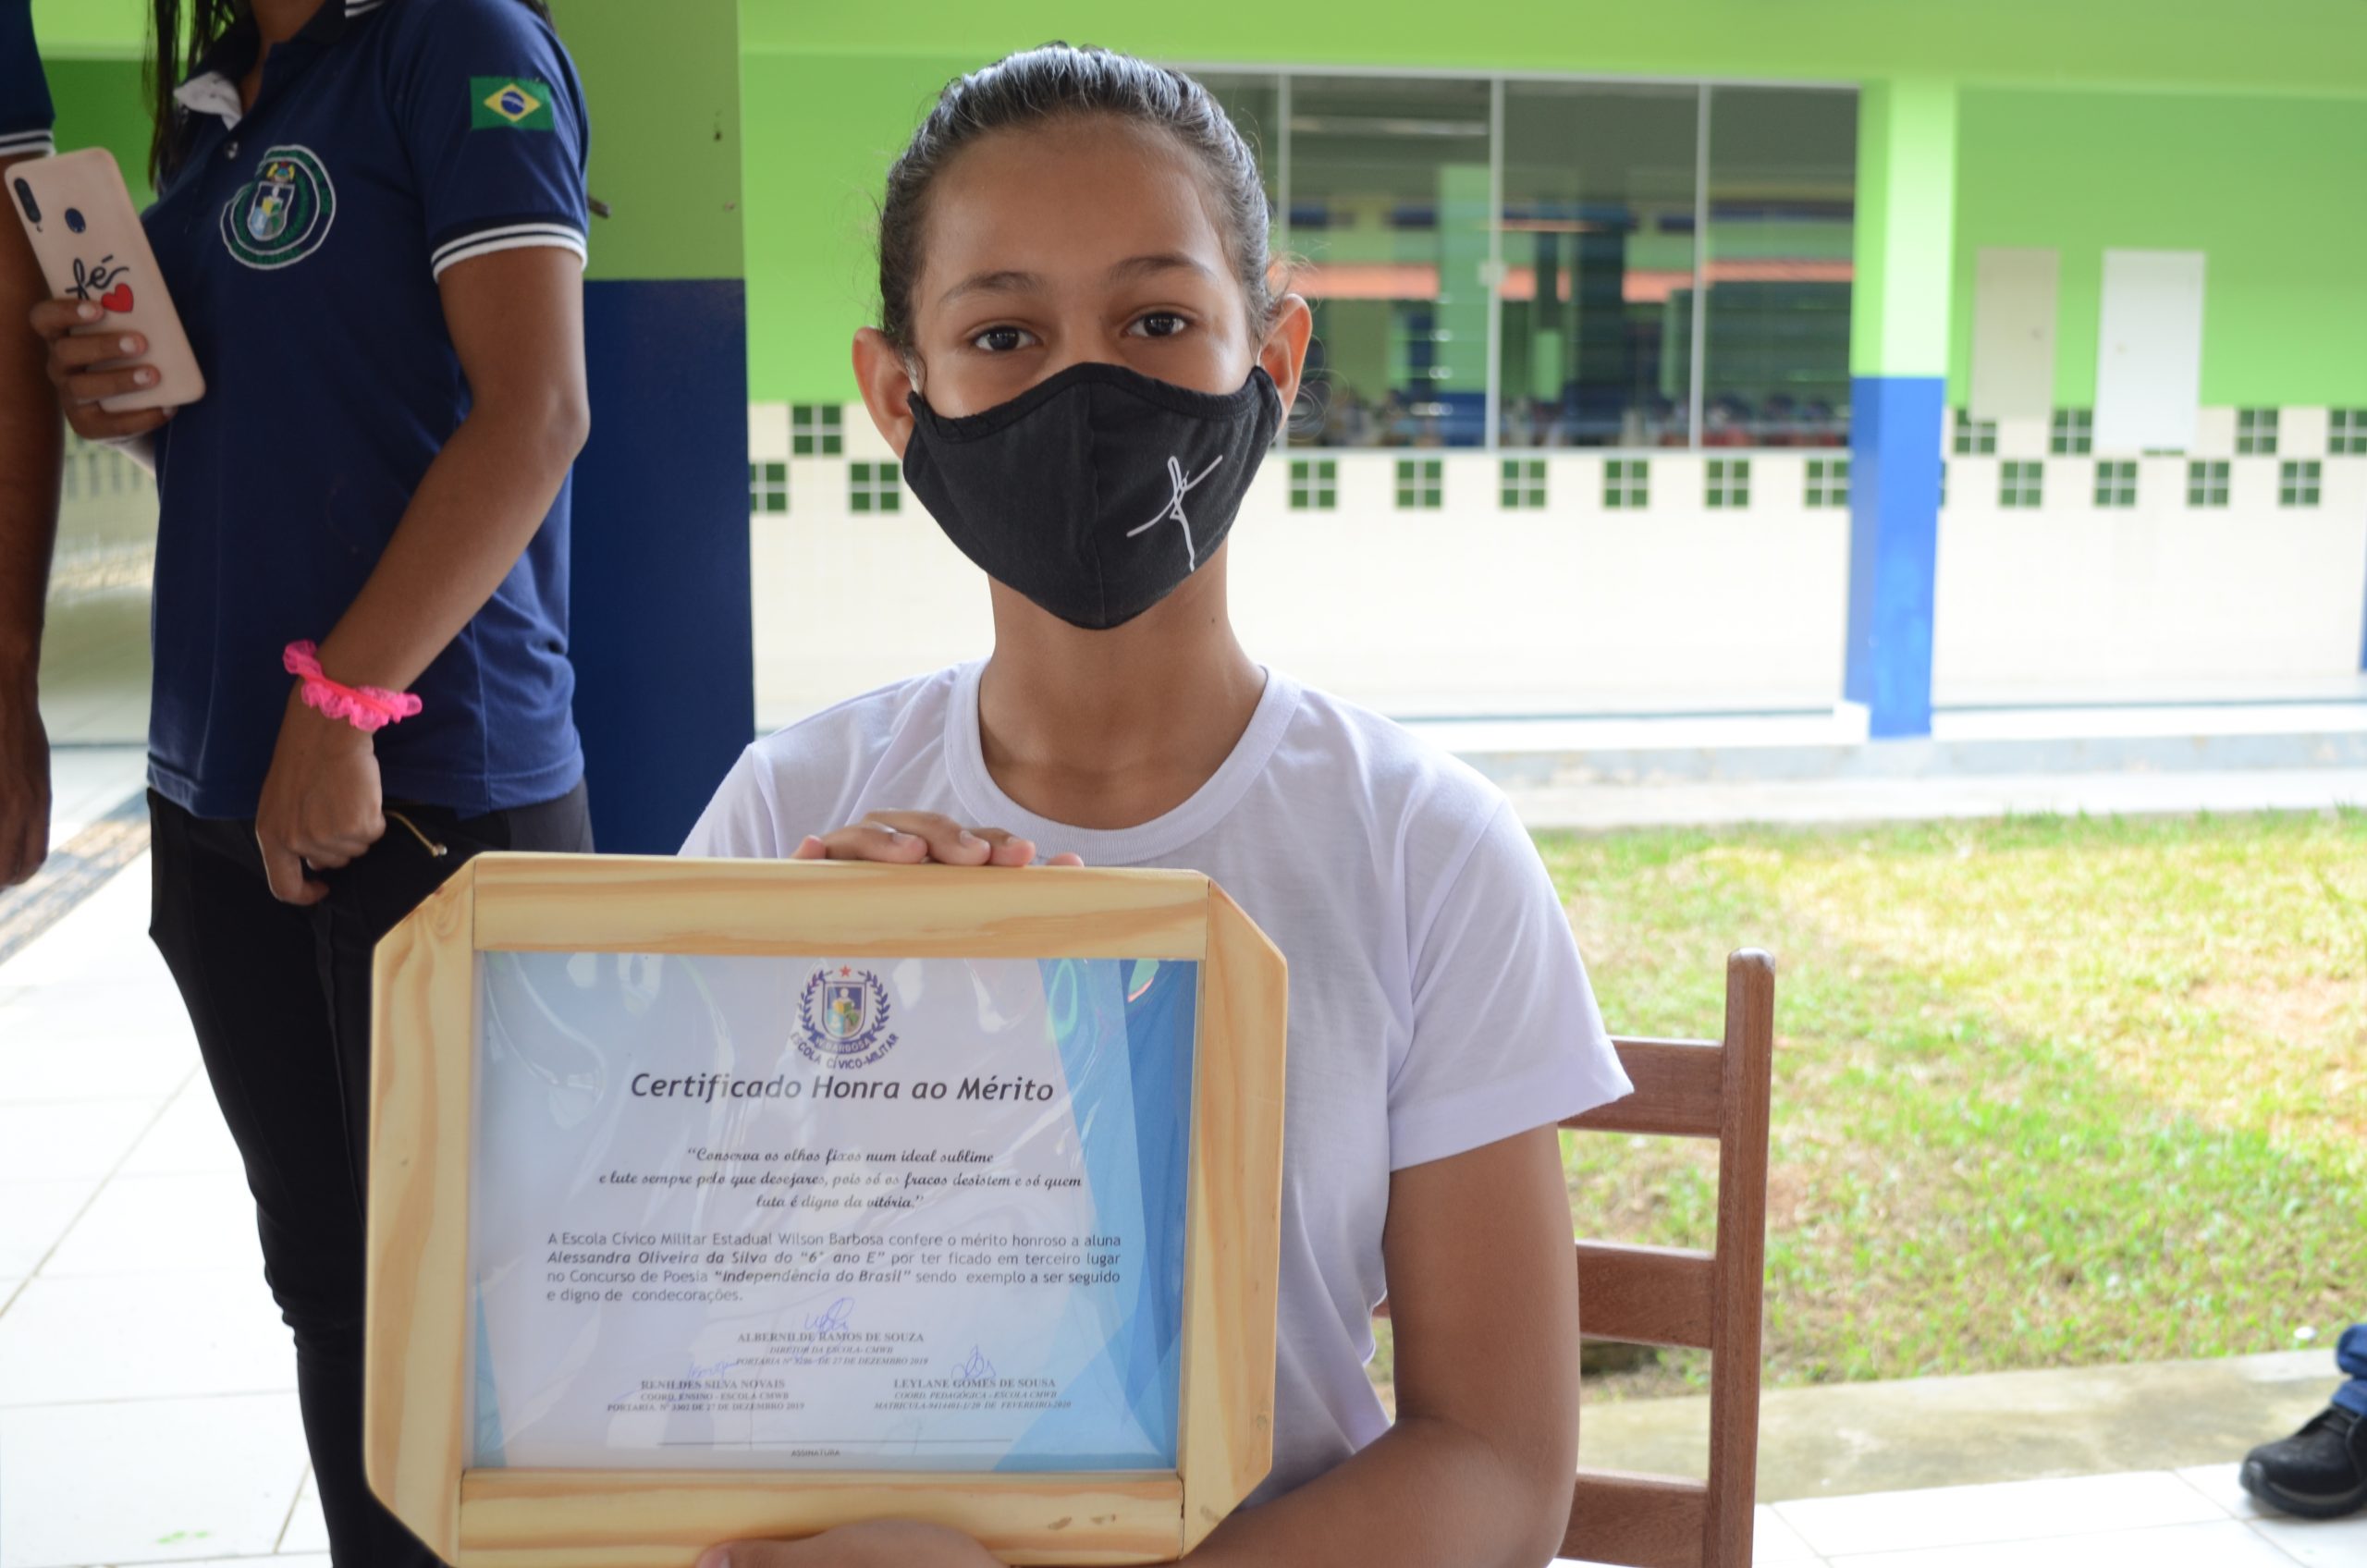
column 842, row 1018
column 521, row 103
column 283, row 214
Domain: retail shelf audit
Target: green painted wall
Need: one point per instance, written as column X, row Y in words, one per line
column 2067, row 137
column 2267, row 188
column 1907, row 154
column 821, row 131
column 663, row 86
column 2268, row 46
column 99, row 105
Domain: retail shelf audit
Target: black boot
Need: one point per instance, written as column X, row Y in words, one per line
column 2319, row 1472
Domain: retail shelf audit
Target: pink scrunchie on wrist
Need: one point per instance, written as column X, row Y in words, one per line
column 367, row 708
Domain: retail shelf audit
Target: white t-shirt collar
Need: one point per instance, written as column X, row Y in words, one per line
column 985, row 805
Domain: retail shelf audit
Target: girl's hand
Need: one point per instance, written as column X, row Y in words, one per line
column 912, row 838
column 888, row 1543
column 320, row 802
column 79, row 388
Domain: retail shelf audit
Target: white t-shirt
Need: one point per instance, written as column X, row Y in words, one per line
column 1437, row 1002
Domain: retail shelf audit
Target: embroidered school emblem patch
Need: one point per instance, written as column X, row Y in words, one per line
column 280, row 217
column 516, row 101
column 842, row 1018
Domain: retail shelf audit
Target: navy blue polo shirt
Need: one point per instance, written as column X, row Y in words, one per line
column 25, row 115
column 391, row 140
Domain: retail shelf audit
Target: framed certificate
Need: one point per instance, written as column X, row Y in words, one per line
column 726, row 1199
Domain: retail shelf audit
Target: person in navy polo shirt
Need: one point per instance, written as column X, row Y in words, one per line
column 29, row 467
column 371, row 216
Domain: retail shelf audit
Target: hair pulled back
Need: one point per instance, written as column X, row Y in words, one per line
column 1058, row 81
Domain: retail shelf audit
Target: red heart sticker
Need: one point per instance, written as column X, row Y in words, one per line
column 117, row 298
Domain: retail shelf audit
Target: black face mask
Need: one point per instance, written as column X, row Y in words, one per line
column 1097, row 491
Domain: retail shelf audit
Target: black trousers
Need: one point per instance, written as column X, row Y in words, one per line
column 280, row 999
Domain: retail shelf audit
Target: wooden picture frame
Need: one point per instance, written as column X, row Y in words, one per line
column 425, row 1042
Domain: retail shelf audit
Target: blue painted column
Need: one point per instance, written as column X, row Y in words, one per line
column 662, row 641
column 1898, row 360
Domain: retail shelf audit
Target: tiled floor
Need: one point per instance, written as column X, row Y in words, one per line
column 147, row 1405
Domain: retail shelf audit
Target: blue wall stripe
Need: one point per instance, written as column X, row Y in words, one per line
column 1894, row 431
column 665, row 657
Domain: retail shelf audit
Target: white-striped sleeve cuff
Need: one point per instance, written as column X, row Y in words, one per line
column 507, row 237
column 27, row 145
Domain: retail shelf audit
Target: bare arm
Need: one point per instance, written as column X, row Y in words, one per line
column 1476, row 1473
column 1483, row 1298
column 517, row 321
column 29, row 467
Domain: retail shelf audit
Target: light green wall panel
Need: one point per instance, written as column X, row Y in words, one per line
column 2265, row 188
column 2271, row 45
column 1906, row 163
column 663, row 86
column 117, row 28
column 99, row 105
column 821, row 132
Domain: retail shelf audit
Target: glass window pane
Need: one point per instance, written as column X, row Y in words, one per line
column 1389, row 200
column 1597, row 252
column 1782, row 195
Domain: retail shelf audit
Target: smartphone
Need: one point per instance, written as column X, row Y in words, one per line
column 78, row 216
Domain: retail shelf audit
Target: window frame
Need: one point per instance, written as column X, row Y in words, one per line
column 1315, row 484
column 1627, row 485
column 1725, row 484
column 2071, row 432
column 1825, row 483
column 768, row 483
column 1421, row 484
column 2021, row 485
column 824, row 432
column 874, row 486
column 2116, row 484
column 2256, row 432
column 1520, row 484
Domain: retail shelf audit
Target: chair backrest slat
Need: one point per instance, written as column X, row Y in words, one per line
column 1668, row 1297
column 1644, row 1295
column 1641, row 1521
column 1740, row 1266
column 1679, row 1087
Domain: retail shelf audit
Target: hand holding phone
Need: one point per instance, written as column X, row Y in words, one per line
column 78, row 213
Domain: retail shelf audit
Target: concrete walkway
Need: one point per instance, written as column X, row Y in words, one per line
column 1609, row 772
column 1843, row 1439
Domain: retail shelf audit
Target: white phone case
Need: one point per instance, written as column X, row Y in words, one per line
column 78, row 216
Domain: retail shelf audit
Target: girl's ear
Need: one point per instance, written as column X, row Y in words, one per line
column 887, row 386
column 1284, row 351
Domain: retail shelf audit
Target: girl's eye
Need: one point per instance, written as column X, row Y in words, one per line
column 1160, row 324
column 999, row 339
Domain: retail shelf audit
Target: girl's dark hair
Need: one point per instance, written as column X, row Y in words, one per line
column 173, row 53
column 1053, row 82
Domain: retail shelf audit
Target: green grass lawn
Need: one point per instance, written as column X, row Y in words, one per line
column 2047, row 1091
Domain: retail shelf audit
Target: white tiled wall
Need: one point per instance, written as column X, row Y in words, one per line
column 1473, row 609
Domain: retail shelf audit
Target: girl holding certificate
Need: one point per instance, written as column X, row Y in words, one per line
column 1081, row 361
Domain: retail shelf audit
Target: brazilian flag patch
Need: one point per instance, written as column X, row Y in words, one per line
column 519, row 101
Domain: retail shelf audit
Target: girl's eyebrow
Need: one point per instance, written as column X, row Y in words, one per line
column 1166, row 261
column 1012, row 282
column 1004, row 282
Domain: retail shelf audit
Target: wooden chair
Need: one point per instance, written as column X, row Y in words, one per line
column 1680, row 1296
